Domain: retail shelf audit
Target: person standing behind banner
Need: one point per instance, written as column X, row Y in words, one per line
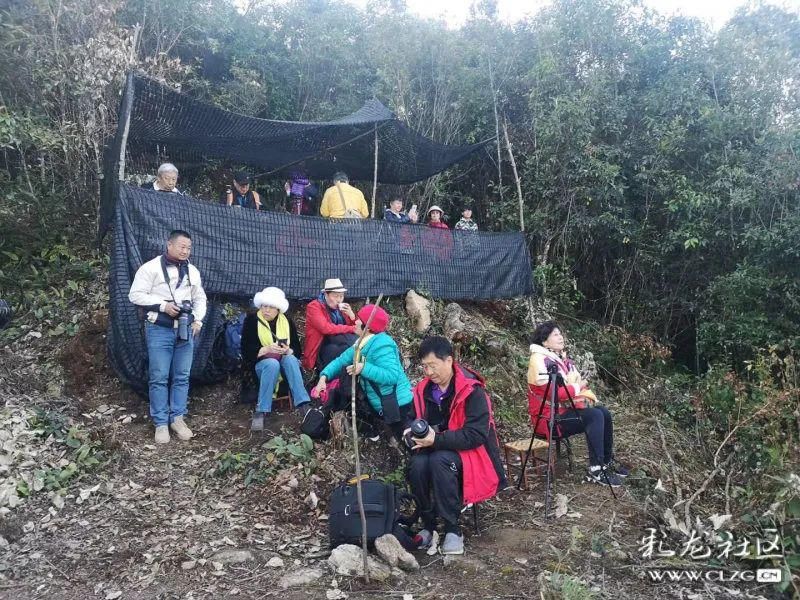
column 435, row 218
column 297, row 189
column 240, row 194
column 170, row 293
column 465, row 222
column 395, row 213
column 165, row 181
column 343, row 201
column 437, row 239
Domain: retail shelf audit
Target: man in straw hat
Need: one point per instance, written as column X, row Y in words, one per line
column 330, row 326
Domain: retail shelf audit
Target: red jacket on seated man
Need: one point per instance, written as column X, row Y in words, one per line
column 324, row 321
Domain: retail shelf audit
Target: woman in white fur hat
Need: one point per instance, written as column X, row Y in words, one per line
column 271, row 349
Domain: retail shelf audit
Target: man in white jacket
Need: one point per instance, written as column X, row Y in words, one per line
column 161, row 287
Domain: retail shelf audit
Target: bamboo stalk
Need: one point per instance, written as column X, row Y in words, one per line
column 356, row 357
column 516, row 177
column 496, row 134
column 375, row 174
column 126, row 123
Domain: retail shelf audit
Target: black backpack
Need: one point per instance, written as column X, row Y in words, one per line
column 317, row 422
column 382, row 503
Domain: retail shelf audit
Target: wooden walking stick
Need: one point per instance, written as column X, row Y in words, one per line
column 356, row 358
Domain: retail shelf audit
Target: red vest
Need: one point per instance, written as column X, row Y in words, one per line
column 480, row 478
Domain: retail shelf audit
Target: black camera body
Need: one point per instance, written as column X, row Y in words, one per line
column 184, row 320
column 419, row 429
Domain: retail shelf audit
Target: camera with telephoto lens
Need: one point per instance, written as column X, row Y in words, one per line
column 183, row 320
column 419, row 429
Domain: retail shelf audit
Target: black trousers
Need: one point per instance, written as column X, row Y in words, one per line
column 435, row 478
column 599, row 430
column 332, row 346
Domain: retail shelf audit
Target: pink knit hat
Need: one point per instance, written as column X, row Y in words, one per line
column 379, row 322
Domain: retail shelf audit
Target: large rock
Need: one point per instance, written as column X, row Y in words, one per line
column 454, row 327
column 419, row 309
column 464, row 563
column 300, row 577
column 389, row 549
column 348, row 559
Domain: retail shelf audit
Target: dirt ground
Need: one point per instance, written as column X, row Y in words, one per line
column 159, row 516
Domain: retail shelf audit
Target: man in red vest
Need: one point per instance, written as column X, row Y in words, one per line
column 459, row 459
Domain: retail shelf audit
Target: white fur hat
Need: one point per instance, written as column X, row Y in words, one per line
column 273, row 297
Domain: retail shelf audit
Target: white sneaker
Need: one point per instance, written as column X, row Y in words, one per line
column 162, row 434
column 453, row 544
column 181, row 430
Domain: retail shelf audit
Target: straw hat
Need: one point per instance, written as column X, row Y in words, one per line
column 333, row 285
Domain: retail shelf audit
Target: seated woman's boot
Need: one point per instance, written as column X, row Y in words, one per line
column 258, row 421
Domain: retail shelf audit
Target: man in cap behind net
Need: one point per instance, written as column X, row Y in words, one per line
column 240, row 193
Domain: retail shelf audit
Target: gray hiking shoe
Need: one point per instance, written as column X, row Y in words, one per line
column 453, row 544
column 603, row 476
column 258, row 422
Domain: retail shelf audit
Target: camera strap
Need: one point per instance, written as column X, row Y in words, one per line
column 180, row 279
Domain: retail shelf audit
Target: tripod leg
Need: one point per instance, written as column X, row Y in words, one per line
column 533, row 437
column 550, row 483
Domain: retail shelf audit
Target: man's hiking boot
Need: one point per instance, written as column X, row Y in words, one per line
column 162, row 434
column 258, row 421
column 181, row 430
column 617, row 467
column 603, row 476
column 453, row 544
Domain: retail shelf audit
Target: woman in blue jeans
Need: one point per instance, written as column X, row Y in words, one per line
column 270, row 350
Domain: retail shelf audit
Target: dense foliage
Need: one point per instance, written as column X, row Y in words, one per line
column 657, row 159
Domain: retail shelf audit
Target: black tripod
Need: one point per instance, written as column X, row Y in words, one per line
column 554, row 381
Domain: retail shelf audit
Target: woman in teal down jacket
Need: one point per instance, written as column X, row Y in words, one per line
column 380, row 369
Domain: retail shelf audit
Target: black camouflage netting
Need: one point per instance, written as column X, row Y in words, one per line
column 168, row 126
column 241, row 251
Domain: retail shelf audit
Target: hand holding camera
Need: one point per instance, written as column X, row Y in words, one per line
column 172, row 309
column 184, row 315
column 419, row 435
